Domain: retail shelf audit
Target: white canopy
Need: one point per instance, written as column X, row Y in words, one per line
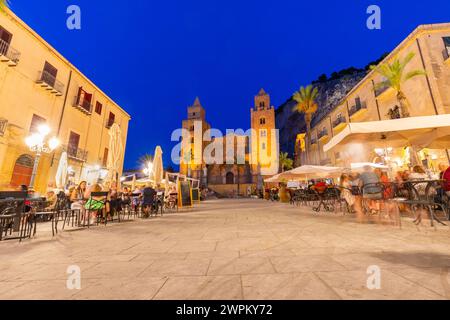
column 362, row 165
column 425, row 132
column 315, row 170
column 306, row 172
column 147, row 180
column 275, row 178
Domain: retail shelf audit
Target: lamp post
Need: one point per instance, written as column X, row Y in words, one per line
column 38, row 143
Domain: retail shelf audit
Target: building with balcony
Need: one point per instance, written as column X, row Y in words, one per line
column 429, row 95
column 38, row 85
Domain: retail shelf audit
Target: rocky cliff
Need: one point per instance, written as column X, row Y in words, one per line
column 331, row 91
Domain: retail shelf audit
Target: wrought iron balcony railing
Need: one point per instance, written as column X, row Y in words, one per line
column 356, row 108
column 446, row 53
column 338, row 121
column 380, row 91
column 75, row 153
column 323, row 133
column 49, row 80
column 83, row 105
column 9, row 52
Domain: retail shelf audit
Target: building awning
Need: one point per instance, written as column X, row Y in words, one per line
column 426, row 132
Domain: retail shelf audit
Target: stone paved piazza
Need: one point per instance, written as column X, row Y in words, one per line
column 231, row 249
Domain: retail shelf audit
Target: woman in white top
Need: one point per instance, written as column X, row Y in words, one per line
column 419, row 174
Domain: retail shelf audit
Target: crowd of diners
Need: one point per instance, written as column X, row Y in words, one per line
column 113, row 199
column 375, row 184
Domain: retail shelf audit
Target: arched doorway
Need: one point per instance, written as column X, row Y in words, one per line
column 230, row 178
column 22, row 171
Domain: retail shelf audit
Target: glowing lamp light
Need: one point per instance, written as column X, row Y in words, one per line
column 44, row 130
column 379, row 151
column 53, row 143
column 148, row 170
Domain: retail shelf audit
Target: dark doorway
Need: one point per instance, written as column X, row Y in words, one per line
column 22, row 171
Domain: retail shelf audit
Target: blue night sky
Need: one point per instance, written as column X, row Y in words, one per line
column 154, row 57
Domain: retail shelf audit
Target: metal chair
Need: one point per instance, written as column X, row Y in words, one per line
column 14, row 221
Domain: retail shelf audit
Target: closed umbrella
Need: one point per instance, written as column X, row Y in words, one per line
column 158, row 169
column 133, row 183
column 115, row 151
column 61, row 173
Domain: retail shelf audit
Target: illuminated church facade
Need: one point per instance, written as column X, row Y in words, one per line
column 231, row 163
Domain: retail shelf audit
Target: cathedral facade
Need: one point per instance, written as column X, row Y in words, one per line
column 232, row 163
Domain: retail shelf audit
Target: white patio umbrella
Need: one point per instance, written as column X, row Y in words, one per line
column 61, row 173
column 158, row 169
column 115, row 151
column 133, row 182
column 313, row 172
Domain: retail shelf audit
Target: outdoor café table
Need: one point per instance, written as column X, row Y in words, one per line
column 421, row 195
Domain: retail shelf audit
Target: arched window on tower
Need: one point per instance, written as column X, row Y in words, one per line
column 262, row 121
column 262, row 105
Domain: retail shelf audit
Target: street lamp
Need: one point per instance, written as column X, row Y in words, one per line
column 38, row 144
column 148, row 169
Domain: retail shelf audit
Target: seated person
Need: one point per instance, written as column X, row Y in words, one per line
column 446, row 178
column 94, row 204
column 371, row 188
column 148, row 200
column 320, row 187
column 418, row 174
column 369, row 182
column 52, row 199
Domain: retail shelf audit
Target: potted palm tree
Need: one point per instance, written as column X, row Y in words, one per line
column 286, row 164
column 395, row 76
column 306, row 104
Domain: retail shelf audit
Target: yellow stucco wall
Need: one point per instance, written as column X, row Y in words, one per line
column 21, row 97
